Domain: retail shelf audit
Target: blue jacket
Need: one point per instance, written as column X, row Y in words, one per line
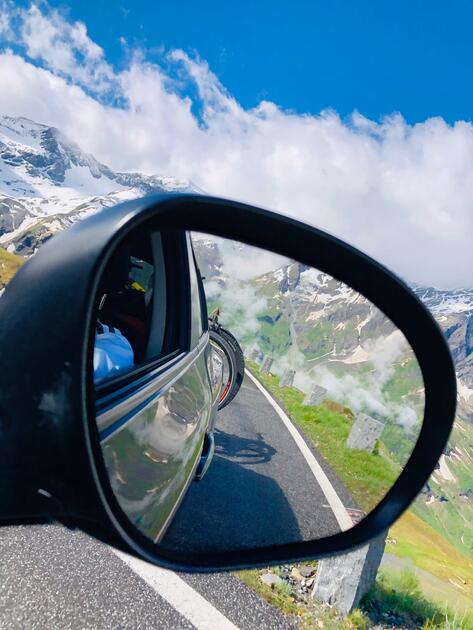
column 112, row 352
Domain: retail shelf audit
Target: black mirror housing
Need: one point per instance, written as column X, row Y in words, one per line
column 50, row 461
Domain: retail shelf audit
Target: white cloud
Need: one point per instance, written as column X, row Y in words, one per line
column 5, row 29
column 64, row 48
column 402, row 193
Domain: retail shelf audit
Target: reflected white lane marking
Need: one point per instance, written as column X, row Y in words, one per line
column 338, row 509
column 182, row 597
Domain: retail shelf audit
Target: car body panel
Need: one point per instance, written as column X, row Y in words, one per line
column 152, row 456
column 152, row 430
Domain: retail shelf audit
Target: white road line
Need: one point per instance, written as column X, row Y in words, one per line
column 182, row 597
column 333, row 499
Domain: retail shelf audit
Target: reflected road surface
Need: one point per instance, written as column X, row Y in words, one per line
column 258, row 489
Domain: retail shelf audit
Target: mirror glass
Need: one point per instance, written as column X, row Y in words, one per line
column 263, row 401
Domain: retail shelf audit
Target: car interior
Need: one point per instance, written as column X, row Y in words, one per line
column 127, row 293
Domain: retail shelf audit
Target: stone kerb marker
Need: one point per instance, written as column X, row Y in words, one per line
column 266, row 365
column 364, row 433
column 287, row 379
column 341, row 581
column 254, row 355
column 316, row 396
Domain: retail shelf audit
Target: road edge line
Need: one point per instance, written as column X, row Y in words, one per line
column 334, row 501
column 175, row 591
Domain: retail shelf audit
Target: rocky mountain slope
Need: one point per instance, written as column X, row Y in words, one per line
column 47, row 182
column 323, row 318
column 453, row 310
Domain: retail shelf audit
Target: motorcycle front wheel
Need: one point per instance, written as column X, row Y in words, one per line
column 234, row 364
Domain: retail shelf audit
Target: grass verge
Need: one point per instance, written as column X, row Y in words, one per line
column 308, row 613
column 395, row 601
column 368, row 476
column 414, row 539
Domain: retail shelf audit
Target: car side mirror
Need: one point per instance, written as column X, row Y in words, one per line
column 117, row 392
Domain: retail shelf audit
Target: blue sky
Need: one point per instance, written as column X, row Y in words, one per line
column 376, row 57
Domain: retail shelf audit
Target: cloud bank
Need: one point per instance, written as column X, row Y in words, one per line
column 401, row 193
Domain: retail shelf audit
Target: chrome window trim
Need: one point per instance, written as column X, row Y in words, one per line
column 143, row 377
column 139, row 400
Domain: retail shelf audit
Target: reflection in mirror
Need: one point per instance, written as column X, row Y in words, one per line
column 327, row 413
column 123, row 319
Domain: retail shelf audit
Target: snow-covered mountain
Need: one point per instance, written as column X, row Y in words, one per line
column 321, row 317
column 453, row 310
column 442, row 302
column 47, row 182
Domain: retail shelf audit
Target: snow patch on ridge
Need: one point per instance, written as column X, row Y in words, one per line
column 359, row 355
column 463, row 391
column 444, row 470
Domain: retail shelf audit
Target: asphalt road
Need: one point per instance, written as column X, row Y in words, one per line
column 258, row 490
column 51, row 577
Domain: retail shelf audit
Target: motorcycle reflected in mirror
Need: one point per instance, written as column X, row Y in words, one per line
column 233, row 360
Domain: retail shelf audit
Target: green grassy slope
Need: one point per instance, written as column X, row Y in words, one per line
column 451, row 511
column 9, row 265
column 413, row 539
column 367, row 476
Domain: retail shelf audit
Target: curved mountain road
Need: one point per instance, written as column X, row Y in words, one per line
column 259, row 490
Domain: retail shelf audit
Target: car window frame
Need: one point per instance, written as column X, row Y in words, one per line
column 198, row 322
column 203, row 299
column 177, row 334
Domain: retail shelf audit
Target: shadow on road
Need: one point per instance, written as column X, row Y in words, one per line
column 243, row 450
column 234, row 506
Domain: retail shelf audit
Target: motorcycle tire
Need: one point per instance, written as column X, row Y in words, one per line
column 235, row 364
